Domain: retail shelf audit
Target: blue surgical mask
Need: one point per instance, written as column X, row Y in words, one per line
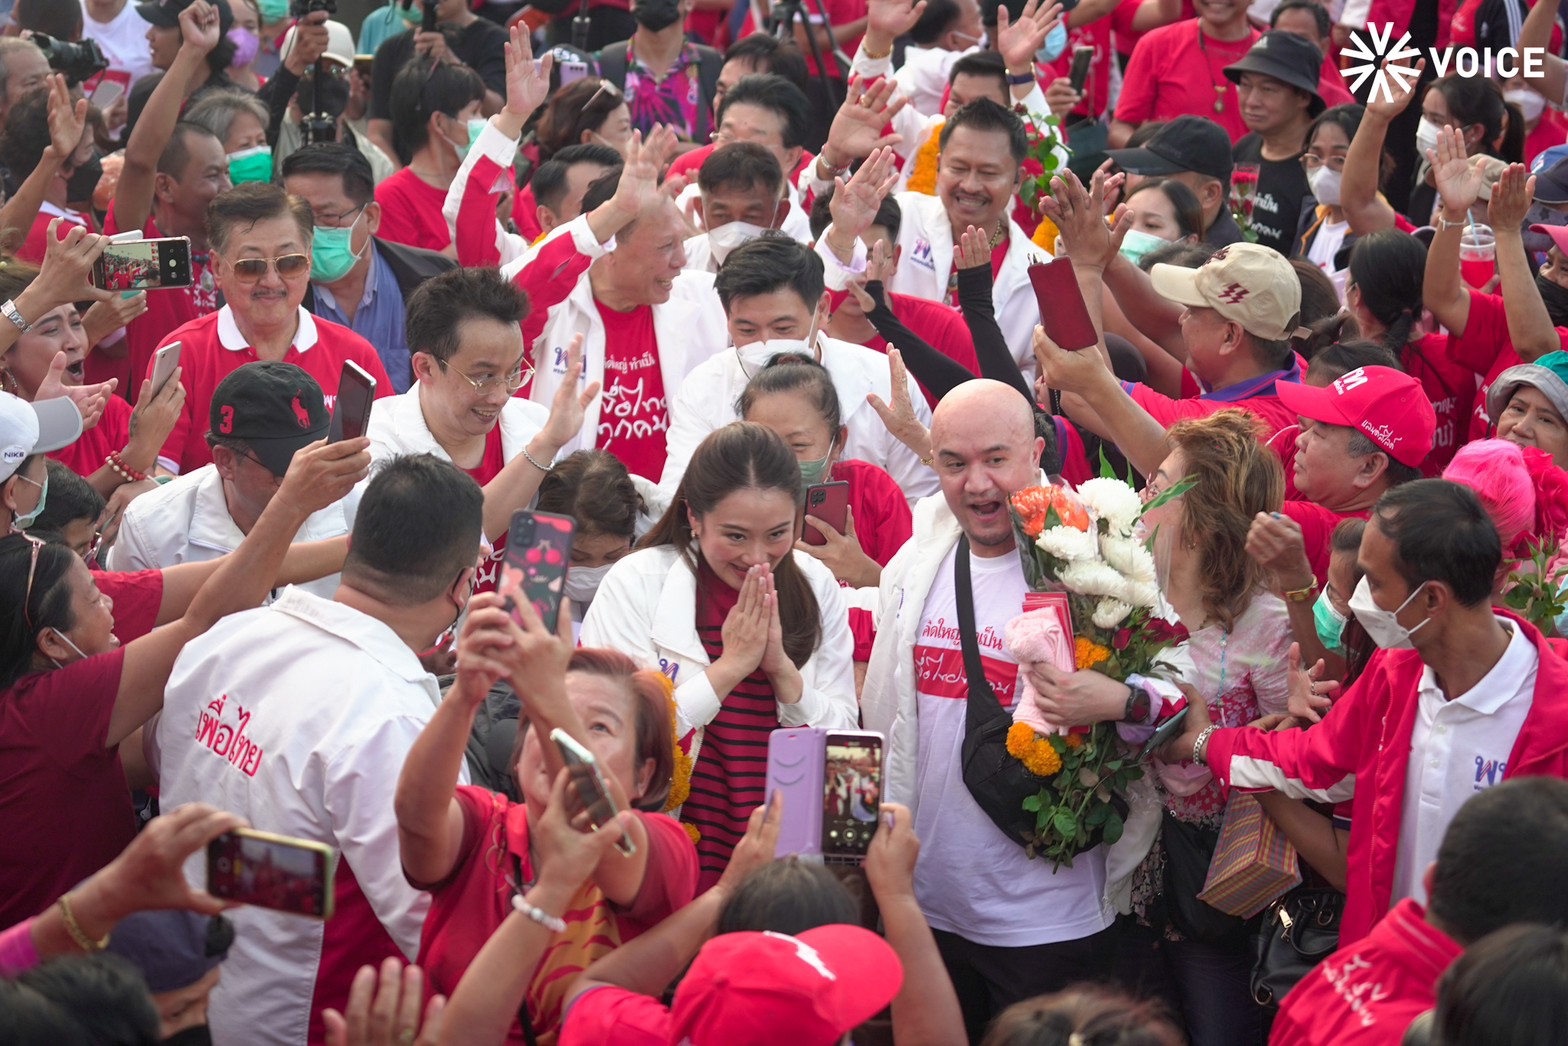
column 1330, row 624
column 22, row 522
column 1138, row 243
column 1055, row 43
column 332, row 254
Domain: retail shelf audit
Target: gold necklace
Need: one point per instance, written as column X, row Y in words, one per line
column 1208, row 67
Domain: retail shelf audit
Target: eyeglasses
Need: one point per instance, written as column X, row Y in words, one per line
column 90, row 557
column 605, row 88
column 248, row 456
column 32, row 569
column 1312, row 163
column 338, row 221
column 250, row 270
column 511, row 382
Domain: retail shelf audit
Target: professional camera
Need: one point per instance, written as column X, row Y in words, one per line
column 301, row 8
column 77, row 62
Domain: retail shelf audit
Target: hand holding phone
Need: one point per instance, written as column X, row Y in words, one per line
column 351, row 412
column 591, row 787
column 1063, row 313
column 1163, row 733
column 538, row 553
column 272, row 871
column 141, row 265
column 828, row 502
column 1083, row 55
column 164, row 361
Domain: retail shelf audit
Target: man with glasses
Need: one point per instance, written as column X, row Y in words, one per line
column 261, row 415
column 357, row 279
column 261, row 241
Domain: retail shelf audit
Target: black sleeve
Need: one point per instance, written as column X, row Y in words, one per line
column 995, row 358
column 937, row 372
column 390, row 56
column 482, row 47
column 275, row 94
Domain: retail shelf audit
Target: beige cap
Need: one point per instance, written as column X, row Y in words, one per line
column 1491, row 169
column 1246, row 283
column 340, row 44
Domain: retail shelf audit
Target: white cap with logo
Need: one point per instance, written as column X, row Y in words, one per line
column 34, row 428
column 1247, row 283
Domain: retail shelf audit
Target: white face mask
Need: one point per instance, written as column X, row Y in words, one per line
column 74, row 648
column 583, row 582
column 730, row 236
column 755, row 356
column 1529, row 102
column 1383, row 625
column 1325, row 185
column 1426, row 137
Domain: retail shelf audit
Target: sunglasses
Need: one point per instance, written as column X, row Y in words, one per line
column 32, row 569
column 249, row 270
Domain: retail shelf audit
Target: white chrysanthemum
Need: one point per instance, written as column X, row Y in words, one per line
column 1110, row 613
column 1130, row 558
column 1112, row 501
column 1093, row 579
column 1068, row 543
column 1140, row 594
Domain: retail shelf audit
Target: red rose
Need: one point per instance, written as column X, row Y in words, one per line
column 1121, row 639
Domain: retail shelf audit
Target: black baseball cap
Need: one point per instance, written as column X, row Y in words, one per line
column 1288, row 58
column 1551, row 181
column 1187, row 143
column 165, row 14
column 273, row 408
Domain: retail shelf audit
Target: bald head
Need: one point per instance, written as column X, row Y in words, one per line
column 988, row 404
column 985, row 448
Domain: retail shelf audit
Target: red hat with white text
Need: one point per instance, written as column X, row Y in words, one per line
column 1387, row 406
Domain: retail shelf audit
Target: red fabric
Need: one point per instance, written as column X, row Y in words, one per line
column 494, row 459
column 1400, row 12
column 605, row 1014
column 476, row 215
column 353, row 937
column 64, row 804
column 555, row 269
column 1121, row 22
column 1097, row 88
column 112, row 433
column 37, row 242
column 1317, row 528
column 166, row 310
column 137, row 596
column 1551, row 131
column 411, row 212
column 635, row 414
column 1368, row 735
column 1332, row 87
column 472, row 902
column 689, row 162
column 204, row 362
column 939, row 326
column 525, row 214
column 1168, row 411
column 1075, row 456
column 1368, row 992
column 1464, row 29
column 882, row 524
column 1484, row 347
column 1170, row 75
column 1450, row 387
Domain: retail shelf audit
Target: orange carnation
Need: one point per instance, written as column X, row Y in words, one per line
column 1035, row 504
column 922, row 178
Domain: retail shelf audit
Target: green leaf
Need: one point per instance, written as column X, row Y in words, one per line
column 1032, row 804
column 1113, row 828
column 1098, row 816
column 1065, row 823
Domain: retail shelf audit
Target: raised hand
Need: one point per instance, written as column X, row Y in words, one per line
column 900, row 418
column 311, row 41
column 745, row 631
column 66, row 120
column 890, row 860
column 90, row 400
column 1019, row 41
column 1079, row 215
column 569, row 405
column 526, row 84
column 857, row 128
column 887, row 20
column 479, row 647
column 154, row 416
column 384, row 1009
column 758, row 846
column 66, row 274
column 1399, row 96
column 855, row 203
column 1275, row 542
column 322, row 473
column 1060, row 97
column 974, row 249
column 1068, row 371
column 1458, row 183
column 1511, row 199
column 1310, row 695
column 199, row 27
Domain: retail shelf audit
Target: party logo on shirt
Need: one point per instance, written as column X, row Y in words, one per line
column 1488, row 771
column 228, row 740
column 922, row 254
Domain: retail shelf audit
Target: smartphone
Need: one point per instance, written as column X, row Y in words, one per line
column 272, row 871
column 351, row 412
column 107, row 92
column 144, row 265
column 538, row 550
column 591, row 789
column 851, row 793
column 429, row 23
column 1166, row 730
column 829, row 502
column 163, row 363
column 1062, row 312
column 1083, row 55
column 795, row 760
column 364, row 64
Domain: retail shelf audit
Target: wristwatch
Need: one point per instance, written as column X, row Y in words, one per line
column 1137, row 710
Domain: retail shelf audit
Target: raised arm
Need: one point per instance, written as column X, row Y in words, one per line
column 855, row 203
column 1093, row 397
column 978, row 303
column 1459, row 186
column 138, row 177
column 1530, row 328
column 1365, row 210
column 1535, row 36
column 66, row 120
column 319, row 475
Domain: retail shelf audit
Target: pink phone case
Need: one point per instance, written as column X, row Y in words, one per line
column 796, row 766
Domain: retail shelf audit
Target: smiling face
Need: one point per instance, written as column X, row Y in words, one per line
column 1221, row 13
column 1153, row 213
column 976, row 177
column 273, row 300
column 608, row 710
column 57, row 331
column 1530, row 420
column 985, row 449
column 746, row 528
column 647, row 258
column 453, row 408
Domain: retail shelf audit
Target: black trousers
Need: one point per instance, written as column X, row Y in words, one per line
column 989, row 979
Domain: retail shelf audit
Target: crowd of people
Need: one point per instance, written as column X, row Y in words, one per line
column 752, row 293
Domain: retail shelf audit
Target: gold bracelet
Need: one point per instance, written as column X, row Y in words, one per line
column 72, row 927
column 874, row 55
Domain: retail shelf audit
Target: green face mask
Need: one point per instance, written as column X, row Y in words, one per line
column 251, row 165
column 332, row 254
column 273, row 10
column 1138, row 243
column 814, row 472
column 1330, row 624
column 22, row 522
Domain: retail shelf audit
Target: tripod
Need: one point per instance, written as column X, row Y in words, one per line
column 786, row 15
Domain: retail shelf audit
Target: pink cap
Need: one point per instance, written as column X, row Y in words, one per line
column 1387, row 406
column 770, row 989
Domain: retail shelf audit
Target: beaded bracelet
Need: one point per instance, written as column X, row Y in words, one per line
column 535, row 461
column 539, row 915
column 117, row 464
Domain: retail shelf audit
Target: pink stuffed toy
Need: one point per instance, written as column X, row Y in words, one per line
column 1037, row 635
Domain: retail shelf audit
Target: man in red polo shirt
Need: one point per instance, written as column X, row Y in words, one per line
column 261, row 256
column 1180, row 69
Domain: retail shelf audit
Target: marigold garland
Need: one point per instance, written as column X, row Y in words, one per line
column 680, row 781
column 1087, row 653
column 923, row 177
column 1074, row 740
column 691, row 830
column 1045, row 235
column 1037, row 754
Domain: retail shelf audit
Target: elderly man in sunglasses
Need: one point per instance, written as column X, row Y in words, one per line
column 260, row 238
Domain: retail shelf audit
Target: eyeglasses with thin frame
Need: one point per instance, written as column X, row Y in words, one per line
column 511, row 382
column 1312, row 163
column 32, row 570
column 287, row 266
column 337, row 221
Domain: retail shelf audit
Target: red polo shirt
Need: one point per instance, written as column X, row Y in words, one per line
column 213, row 348
column 411, row 212
column 1171, row 75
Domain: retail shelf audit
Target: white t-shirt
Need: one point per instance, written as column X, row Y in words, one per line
column 971, row 879
column 1325, row 245
column 124, row 41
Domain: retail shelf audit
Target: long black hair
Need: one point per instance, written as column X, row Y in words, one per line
column 48, row 606
column 744, row 456
column 1389, row 268
column 1479, row 100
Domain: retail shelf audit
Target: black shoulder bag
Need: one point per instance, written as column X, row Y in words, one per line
column 998, row 782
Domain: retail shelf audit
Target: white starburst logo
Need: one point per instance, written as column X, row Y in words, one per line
column 1381, row 72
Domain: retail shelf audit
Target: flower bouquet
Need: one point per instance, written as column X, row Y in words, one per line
column 1243, row 188
column 1092, row 581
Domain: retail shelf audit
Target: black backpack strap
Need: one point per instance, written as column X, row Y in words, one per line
column 983, row 704
column 709, row 62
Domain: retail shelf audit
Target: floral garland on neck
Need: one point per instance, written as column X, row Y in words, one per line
column 680, row 781
column 923, row 178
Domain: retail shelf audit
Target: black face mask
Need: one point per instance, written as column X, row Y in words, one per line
column 656, row 14
column 80, row 185
column 1556, row 299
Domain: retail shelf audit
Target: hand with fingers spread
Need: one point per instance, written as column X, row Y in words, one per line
column 1019, row 41
column 900, row 418
column 527, row 84
column 1079, row 215
column 974, row 249
column 639, row 182
column 384, row 1009
column 855, row 203
column 67, row 120
column 857, row 128
column 568, row 406
column 1310, row 695
column 887, row 20
column 1458, row 181
column 66, row 273
column 90, row 400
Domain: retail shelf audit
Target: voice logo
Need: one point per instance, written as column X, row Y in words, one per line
column 1389, row 65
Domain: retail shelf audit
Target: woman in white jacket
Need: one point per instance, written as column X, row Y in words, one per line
column 750, row 632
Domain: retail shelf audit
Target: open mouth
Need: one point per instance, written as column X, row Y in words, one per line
column 77, row 370
column 986, row 511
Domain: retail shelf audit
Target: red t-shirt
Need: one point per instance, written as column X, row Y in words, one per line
column 1121, row 21
column 634, row 415
column 1451, row 388
column 166, row 310
column 882, row 525
column 1171, row 74
column 1486, row 348
column 137, row 596
column 411, row 212
column 1332, row 87
column 605, row 1014
column 1168, row 411
column 939, row 326
column 1317, row 529
column 37, row 242
column 1097, row 87
column 472, row 902
column 1551, row 131
column 214, row 348
column 64, row 805
column 112, row 433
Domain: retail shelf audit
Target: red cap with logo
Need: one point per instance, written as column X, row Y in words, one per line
column 770, row 989
column 1387, row 406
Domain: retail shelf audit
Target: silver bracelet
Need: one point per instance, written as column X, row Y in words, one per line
column 1200, row 747
column 539, row 915
column 10, row 312
column 534, row 461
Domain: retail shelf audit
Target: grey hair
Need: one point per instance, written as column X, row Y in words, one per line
column 7, row 45
column 216, row 111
